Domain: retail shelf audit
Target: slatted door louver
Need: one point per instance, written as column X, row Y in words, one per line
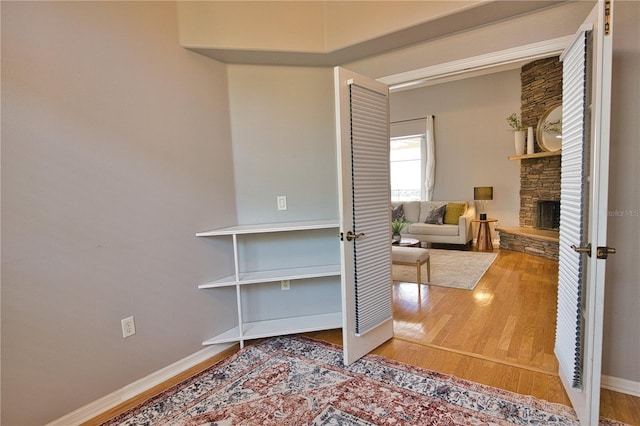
column 370, row 184
column 569, row 329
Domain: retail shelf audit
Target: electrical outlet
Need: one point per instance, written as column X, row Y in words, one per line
column 282, row 202
column 285, row 285
column 128, row 327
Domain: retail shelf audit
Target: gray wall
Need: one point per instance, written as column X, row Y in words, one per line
column 283, row 127
column 116, row 149
column 472, row 138
column 622, row 297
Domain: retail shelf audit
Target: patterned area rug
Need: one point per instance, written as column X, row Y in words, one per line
column 449, row 268
column 299, row 381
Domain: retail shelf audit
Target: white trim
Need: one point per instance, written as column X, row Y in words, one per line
column 125, row 393
column 514, row 55
column 617, row 384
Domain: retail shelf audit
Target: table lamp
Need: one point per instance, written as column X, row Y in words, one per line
column 482, row 194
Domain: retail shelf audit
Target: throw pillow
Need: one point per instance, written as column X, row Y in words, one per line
column 397, row 212
column 453, row 213
column 436, row 216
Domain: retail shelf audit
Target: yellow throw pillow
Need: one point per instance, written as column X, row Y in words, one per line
column 453, row 213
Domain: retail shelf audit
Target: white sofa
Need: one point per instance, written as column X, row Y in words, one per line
column 416, row 212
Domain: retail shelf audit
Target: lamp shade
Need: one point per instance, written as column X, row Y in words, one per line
column 483, row 193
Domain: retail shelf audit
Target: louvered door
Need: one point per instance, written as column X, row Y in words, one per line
column 570, row 321
column 362, row 112
column 583, row 211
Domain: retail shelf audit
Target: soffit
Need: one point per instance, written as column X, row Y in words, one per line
column 473, row 15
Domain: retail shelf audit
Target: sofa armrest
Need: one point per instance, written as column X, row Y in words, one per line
column 464, row 222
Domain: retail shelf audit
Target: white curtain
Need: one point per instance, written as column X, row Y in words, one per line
column 424, row 127
column 428, row 160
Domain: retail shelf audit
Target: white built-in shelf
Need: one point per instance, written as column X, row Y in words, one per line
column 275, row 275
column 271, row 227
column 277, row 327
column 536, row 155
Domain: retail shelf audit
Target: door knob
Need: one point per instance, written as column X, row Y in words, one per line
column 586, row 249
column 601, row 252
column 351, row 236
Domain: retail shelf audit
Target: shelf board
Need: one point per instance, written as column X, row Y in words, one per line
column 536, row 155
column 271, row 227
column 279, row 327
column 275, row 275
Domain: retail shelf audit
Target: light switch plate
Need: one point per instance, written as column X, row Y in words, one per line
column 282, row 202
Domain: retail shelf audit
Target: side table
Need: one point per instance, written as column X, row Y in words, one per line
column 409, row 242
column 484, row 233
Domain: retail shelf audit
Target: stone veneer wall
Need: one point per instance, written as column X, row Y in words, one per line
column 540, row 177
column 541, row 89
column 529, row 244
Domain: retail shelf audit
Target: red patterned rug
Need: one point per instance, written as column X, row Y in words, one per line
column 299, row 381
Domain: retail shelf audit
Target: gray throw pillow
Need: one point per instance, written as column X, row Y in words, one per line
column 397, row 212
column 436, row 216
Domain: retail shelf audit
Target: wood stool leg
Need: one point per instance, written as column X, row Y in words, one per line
column 429, row 269
column 419, row 273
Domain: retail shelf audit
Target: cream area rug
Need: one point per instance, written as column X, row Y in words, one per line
column 449, row 268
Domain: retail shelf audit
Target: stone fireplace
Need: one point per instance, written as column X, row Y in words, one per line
column 539, row 181
column 539, row 209
column 539, row 216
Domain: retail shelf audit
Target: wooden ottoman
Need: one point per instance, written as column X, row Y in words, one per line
column 412, row 256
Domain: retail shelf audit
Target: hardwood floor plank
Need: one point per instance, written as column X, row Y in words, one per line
column 507, row 333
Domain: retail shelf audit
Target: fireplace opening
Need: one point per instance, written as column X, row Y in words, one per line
column 548, row 215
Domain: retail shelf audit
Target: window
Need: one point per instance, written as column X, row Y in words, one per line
column 406, row 168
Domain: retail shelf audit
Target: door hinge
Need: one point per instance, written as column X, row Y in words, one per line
column 607, row 17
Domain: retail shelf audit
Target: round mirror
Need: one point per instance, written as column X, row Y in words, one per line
column 549, row 132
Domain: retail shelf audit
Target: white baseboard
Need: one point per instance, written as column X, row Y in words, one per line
column 621, row 385
column 107, row 402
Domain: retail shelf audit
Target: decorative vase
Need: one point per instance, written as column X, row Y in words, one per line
column 395, row 238
column 520, row 139
column 530, row 141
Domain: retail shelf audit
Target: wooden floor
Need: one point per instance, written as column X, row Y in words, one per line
column 508, row 318
column 500, row 334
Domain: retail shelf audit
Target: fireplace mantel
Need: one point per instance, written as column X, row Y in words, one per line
column 535, row 155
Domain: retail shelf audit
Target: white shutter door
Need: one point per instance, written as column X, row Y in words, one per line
column 570, row 323
column 587, row 66
column 362, row 127
column 370, row 184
